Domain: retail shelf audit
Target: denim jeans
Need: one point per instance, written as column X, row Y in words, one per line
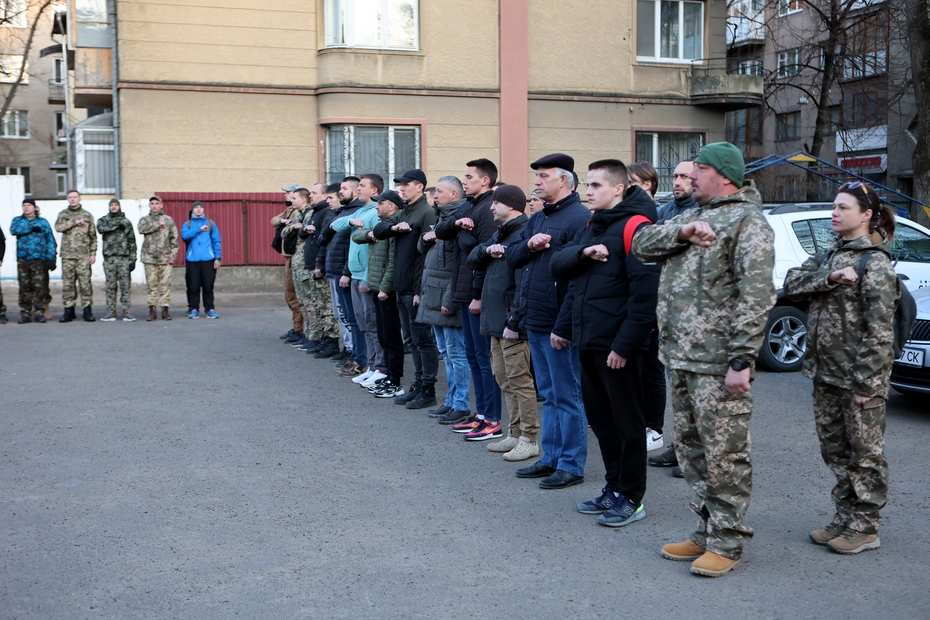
column 564, row 426
column 339, row 313
column 478, row 351
column 359, row 348
column 451, row 346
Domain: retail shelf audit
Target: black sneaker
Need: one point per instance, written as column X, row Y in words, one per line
column 454, row 416
column 403, row 399
column 599, row 505
column 24, row 318
column 666, row 459
column 389, row 390
column 439, row 411
column 379, row 385
column 341, row 357
column 426, row 397
column 677, row 473
column 287, row 335
column 294, row 337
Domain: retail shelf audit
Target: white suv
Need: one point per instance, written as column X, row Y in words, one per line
column 801, row 231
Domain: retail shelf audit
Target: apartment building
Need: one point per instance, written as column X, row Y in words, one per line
column 867, row 110
column 32, row 129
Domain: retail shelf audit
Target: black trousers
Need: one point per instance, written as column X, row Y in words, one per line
column 389, row 336
column 200, row 275
column 653, row 372
column 422, row 344
column 613, row 402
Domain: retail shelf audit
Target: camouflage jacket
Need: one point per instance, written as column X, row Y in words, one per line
column 849, row 327
column 713, row 301
column 119, row 239
column 287, row 231
column 289, row 213
column 161, row 244
column 76, row 241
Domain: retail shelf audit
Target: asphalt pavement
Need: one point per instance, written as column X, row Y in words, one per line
column 202, row 469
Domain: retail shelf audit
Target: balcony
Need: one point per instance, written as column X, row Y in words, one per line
column 713, row 87
column 59, row 159
column 56, row 92
column 93, row 78
column 746, row 29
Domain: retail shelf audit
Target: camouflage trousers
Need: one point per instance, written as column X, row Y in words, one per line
column 301, row 280
column 158, row 280
column 75, row 276
column 315, row 301
column 712, row 444
column 852, row 443
column 116, row 269
column 33, row 286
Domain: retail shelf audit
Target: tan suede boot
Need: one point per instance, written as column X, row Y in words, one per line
column 152, row 315
column 683, row 551
column 825, row 535
column 47, row 313
column 712, row 565
column 164, row 314
column 852, row 542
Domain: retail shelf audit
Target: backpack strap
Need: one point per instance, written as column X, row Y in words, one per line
column 629, row 229
column 826, row 256
column 861, row 269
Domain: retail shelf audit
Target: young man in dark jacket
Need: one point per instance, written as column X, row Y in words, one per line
column 613, row 315
column 555, row 360
column 500, row 320
column 418, row 218
column 473, row 224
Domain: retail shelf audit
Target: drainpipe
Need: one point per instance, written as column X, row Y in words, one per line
column 116, row 132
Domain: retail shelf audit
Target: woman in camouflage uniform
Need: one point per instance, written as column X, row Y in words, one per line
column 853, row 291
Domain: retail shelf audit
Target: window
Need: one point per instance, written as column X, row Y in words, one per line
column 744, row 127
column 665, row 149
column 13, row 13
column 60, row 126
column 865, row 105
column 834, row 119
column 92, row 24
column 15, row 124
column 58, row 71
column 669, row 30
column 10, row 65
column 788, row 126
column 384, row 24
column 362, row 149
column 910, row 245
column 814, row 235
column 94, row 162
column 787, row 7
column 789, row 63
column 27, row 179
column 753, row 66
column 867, row 48
column 61, row 184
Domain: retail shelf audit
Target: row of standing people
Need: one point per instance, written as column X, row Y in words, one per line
column 37, row 253
column 575, row 299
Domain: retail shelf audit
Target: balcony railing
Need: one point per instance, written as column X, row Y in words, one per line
column 711, row 85
column 56, row 92
column 59, row 158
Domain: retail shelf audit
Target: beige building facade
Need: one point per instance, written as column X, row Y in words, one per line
column 247, row 96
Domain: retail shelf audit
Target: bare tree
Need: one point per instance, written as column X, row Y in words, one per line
column 34, row 11
column 918, row 30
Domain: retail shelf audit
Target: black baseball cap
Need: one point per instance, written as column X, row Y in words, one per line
column 390, row 195
column 412, row 175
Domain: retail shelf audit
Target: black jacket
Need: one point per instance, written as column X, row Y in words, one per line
column 676, row 208
column 408, row 262
column 467, row 283
column 337, row 244
column 500, row 296
column 614, row 302
column 321, row 216
column 543, row 295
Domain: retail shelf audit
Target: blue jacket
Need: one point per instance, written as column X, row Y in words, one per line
column 542, row 295
column 358, row 252
column 34, row 238
column 201, row 245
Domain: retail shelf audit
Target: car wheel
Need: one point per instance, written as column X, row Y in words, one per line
column 785, row 340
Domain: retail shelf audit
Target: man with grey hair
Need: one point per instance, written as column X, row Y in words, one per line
column 436, row 307
column 547, row 321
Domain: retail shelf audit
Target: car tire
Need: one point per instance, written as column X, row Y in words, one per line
column 785, row 340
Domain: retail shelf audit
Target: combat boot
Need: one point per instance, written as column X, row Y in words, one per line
column 152, row 314
column 331, row 347
column 89, row 314
column 40, row 318
column 3, row 319
column 164, row 314
column 713, row 565
column 403, row 399
column 68, row 316
column 24, row 318
column 682, row 552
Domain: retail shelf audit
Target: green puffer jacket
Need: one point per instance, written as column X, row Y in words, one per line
column 380, row 256
column 849, row 327
column 713, row 301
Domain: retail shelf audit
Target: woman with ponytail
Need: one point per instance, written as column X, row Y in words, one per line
column 853, row 290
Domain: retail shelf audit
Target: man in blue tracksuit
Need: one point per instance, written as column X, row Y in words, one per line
column 203, row 259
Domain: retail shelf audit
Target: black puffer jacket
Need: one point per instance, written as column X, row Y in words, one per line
column 436, row 283
column 614, row 302
column 466, row 283
column 320, row 217
column 500, row 297
column 542, row 294
column 337, row 244
column 408, row 262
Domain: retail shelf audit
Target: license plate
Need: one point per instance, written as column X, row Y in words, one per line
column 912, row 357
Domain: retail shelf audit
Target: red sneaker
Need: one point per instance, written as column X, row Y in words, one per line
column 486, row 430
column 468, row 425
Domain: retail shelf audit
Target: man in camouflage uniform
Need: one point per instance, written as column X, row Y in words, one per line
column 159, row 249
column 715, row 294
column 35, row 255
column 317, row 298
column 290, row 295
column 119, row 258
column 300, row 200
column 78, row 253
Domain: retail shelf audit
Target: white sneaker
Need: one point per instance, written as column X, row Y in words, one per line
column 364, row 376
column 504, row 445
column 522, row 451
column 654, row 440
column 374, row 378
